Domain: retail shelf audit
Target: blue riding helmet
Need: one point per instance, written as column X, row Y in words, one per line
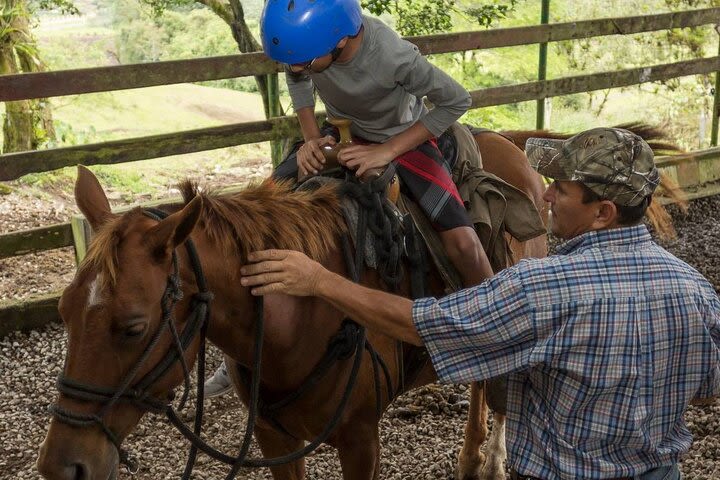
column 298, row 31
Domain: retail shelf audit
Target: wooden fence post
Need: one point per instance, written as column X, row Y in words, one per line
column 542, row 66
column 716, row 103
column 275, row 111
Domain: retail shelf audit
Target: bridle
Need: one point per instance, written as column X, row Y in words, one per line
column 353, row 342
column 138, row 393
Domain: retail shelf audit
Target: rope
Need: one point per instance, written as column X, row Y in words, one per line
column 350, row 340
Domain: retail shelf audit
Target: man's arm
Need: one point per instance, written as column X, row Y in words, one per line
column 293, row 273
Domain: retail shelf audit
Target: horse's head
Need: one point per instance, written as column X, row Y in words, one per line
column 123, row 314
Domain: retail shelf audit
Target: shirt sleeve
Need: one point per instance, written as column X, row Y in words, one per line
column 480, row 332
column 301, row 89
column 421, row 78
column 710, row 388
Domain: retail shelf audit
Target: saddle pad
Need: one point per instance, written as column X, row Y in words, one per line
column 350, row 209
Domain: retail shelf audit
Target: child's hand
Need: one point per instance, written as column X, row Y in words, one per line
column 364, row 157
column 310, row 158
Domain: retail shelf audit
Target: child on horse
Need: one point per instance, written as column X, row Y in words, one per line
column 363, row 71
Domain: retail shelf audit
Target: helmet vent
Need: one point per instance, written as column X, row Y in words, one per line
column 291, row 6
column 276, row 41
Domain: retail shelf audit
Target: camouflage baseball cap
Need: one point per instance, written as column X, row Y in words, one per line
column 614, row 163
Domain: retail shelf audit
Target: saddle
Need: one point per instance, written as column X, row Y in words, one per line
column 495, row 207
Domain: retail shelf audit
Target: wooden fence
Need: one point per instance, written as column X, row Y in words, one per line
column 692, row 169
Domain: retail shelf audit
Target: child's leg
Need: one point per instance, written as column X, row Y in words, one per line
column 426, row 176
column 467, row 255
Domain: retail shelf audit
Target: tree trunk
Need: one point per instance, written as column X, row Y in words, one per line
column 21, row 117
column 41, row 108
column 233, row 14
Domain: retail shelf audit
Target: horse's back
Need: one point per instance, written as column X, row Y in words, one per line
column 503, row 158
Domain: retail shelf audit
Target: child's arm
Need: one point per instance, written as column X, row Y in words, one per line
column 309, row 155
column 364, row 157
column 402, row 64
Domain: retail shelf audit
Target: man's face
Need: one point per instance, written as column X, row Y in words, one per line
column 569, row 216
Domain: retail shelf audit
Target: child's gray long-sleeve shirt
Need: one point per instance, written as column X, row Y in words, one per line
column 381, row 88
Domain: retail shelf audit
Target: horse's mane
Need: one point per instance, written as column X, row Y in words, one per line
column 658, row 139
column 269, row 215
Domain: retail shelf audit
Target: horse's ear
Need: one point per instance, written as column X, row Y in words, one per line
column 174, row 230
column 90, row 198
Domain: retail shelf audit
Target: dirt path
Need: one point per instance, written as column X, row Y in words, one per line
column 420, row 433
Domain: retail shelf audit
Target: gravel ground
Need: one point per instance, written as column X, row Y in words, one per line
column 421, row 432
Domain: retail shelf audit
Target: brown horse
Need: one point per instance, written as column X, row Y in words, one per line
column 122, row 315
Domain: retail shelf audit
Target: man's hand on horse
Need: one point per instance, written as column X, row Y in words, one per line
column 363, row 157
column 281, row 271
column 310, row 158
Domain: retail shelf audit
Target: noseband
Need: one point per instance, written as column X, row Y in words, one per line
column 138, row 393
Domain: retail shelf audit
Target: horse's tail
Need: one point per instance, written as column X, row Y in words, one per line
column 657, row 137
column 661, row 144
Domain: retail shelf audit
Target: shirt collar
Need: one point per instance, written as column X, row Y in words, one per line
column 623, row 236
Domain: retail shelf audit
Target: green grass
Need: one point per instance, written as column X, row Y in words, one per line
column 107, row 116
column 100, row 117
column 155, row 110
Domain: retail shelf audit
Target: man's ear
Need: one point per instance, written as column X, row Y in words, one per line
column 606, row 214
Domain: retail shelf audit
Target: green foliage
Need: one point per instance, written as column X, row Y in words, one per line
column 128, row 182
column 66, row 7
column 422, row 17
column 66, row 135
column 159, row 7
column 486, row 15
column 183, row 33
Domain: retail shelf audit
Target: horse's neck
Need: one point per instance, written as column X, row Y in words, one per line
column 296, row 330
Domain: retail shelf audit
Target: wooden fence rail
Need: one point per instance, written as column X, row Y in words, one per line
column 15, row 165
column 36, row 240
column 104, row 79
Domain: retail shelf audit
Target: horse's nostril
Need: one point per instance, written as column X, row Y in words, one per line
column 80, row 472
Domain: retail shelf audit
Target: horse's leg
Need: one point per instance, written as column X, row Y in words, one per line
column 272, row 442
column 359, row 452
column 471, row 459
column 494, row 468
column 275, row 444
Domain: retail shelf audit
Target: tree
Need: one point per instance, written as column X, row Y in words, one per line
column 681, row 94
column 27, row 123
column 423, row 17
column 233, row 14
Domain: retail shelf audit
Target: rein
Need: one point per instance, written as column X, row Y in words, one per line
column 138, row 394
column 351, row 339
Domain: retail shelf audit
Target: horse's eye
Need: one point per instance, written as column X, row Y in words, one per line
column 135, row 330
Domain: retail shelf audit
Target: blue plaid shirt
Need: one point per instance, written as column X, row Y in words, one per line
column 605, row 344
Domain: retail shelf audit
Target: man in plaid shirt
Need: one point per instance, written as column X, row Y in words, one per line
column 604, row 344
